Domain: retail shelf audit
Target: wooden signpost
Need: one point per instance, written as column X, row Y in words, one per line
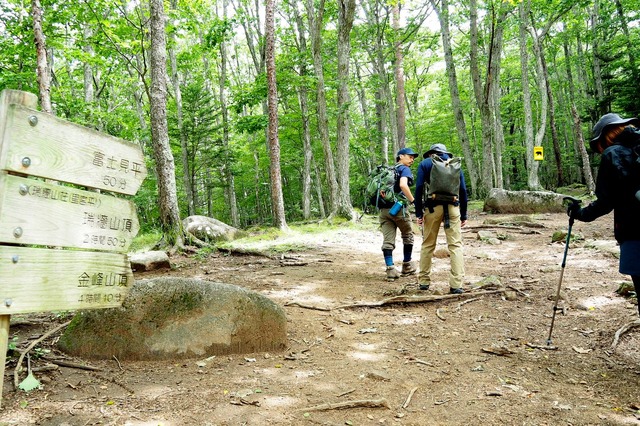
column 82, row 233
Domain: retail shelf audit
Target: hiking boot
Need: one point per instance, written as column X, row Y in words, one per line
column 459, row 290
column 392, row 273
column 423, row 287
column 408, row 268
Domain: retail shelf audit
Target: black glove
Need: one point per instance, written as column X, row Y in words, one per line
column 574, row 210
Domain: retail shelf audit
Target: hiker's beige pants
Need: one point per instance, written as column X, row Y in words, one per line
column 430, row 228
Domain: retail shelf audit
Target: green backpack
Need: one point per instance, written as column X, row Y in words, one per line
column 379, row 192
column 444, row 182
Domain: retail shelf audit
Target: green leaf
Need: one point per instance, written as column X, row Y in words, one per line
column 30, row 383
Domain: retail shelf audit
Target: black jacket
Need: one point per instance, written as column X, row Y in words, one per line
column 616, row 186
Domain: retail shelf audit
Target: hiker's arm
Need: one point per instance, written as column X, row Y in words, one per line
column 420, row 181
column 464, row 199
column 404, row 187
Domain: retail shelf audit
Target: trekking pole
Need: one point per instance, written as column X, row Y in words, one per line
column 572, row 201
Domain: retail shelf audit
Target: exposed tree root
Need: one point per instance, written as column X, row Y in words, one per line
column 625, row 328
column 367, row 403
column 416, row 299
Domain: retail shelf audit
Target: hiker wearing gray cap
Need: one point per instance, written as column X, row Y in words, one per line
column 617, row 139
column 434, row 208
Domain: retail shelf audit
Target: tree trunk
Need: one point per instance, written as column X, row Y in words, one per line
column 577, row 124
column 318, row 181
column 386, row 120
column 303, row 100
column 42, row 69
column 229, row 178
column 544, row 100
column 370, row 146
column 532, row 165
column 165, row 167
column 601, row 102
column 315, row 31
column 277, row 199
column 481, row 102
column 461, row 127
column 184, row 150
column 89, row 92
column 399, row 72
column 346, row 12
column 624, row 25
column 552, row 121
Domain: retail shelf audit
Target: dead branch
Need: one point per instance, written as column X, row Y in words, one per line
column 465, row 302
column 625, row 328
column 293, row 263
column 439, row 315
column 18, row 369
column 416, row 299
column 408, row 400
column 246, row 252
column 419, row 361
column 367, row 403
column 500, row 351
column 346, row 392
column 69, row 364
column 305, row 306
column 520, row 292
column 542, row 347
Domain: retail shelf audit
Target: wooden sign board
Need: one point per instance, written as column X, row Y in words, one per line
column 87, row 232
column 41, row 280
column 35, row 212
column 96, row 229
column 39, row 144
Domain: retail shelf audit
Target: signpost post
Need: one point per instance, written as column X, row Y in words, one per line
column 80, row 215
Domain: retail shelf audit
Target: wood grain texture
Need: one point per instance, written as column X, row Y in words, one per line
column 44, row 280
column 59, row 215
column 43, row 145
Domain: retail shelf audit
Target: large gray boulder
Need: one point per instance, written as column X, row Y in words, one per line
column 209, row 229
column 503, row 201
column 176, row 318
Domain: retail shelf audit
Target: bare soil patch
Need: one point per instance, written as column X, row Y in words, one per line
column 478, row 359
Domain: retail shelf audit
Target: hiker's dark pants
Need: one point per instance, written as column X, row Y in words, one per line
column 630, row 263
column 636, row 284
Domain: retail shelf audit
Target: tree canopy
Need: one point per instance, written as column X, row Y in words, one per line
column 488, row 78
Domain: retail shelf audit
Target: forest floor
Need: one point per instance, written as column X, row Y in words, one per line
column 478, row 359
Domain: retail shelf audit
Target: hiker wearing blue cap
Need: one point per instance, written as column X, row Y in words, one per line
column 392, row 219
column 617, row 139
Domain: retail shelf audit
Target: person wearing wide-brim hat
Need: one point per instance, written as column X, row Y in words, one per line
column 390, row 223
column 431, row 213
column 617, row 139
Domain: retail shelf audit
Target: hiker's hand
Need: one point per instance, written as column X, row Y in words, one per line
column 573, row 210
column 463, row 223
column 419, row 221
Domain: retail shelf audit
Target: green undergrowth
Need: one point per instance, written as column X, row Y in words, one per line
column 145, row 242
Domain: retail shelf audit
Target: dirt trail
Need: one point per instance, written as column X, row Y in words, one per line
column 471, row 360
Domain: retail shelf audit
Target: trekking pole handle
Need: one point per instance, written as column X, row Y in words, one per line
column 571, row 202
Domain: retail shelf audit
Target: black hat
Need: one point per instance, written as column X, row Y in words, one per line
column 605, row 121
column 438, row 148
